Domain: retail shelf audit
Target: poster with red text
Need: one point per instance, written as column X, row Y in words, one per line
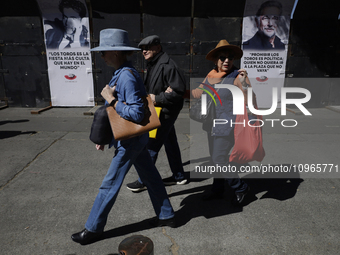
column 265, row 43
column 67, row 40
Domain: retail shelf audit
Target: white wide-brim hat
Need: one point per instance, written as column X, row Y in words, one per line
column 112, row 39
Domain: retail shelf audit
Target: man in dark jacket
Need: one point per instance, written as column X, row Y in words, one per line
column 166, row 86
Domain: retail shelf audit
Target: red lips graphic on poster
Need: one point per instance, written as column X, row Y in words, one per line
column 70, row 76
column 262, row 78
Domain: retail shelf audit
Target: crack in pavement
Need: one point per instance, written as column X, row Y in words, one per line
column 174, row 247
column 29, row 163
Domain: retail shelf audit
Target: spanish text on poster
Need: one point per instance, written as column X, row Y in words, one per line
column 66, row 30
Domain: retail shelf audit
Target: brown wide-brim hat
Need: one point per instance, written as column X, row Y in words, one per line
column 223, row 45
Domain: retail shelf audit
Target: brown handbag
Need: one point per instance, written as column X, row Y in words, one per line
column 125, row 129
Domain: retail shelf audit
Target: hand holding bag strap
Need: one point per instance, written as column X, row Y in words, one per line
column 125, row 129
column 101, row 132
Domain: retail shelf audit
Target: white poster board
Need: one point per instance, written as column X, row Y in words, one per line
column 265, row 38
column 67, row 40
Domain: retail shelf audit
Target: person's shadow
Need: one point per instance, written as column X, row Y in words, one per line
column 12, row 121
column 194, row 206
column 124, row 230
column 9, row 134
column 276, row 186
column 279, row 186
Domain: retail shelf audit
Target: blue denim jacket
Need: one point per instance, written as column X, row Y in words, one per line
column 129, row 92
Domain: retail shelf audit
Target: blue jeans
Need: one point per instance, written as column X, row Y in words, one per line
column 221, row 146
column 129, row 152
column 166, row 135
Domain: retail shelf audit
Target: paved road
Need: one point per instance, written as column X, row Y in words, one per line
column 50, row 174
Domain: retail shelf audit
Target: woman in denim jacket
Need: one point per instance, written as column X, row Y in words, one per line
column 124, row 93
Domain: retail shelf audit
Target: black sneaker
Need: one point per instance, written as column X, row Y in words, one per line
column 172, row 181
column 136, row 186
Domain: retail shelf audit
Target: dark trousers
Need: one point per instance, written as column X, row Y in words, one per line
column 166, row 135
column 220, row 148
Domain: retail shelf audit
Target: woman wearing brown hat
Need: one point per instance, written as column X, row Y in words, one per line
column 221, row 137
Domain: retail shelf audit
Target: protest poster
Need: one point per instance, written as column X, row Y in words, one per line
column 67, row 40
column 265, row 35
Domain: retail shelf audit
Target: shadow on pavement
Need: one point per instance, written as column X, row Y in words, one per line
column 127, row 229
column 9, row 134
column 12, row 121
column 196, row 161
column 193, row 206
column 280, row 188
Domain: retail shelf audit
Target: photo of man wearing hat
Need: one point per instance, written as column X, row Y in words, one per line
column 166, row 85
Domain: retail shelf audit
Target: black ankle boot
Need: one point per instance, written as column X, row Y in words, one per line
column 85, row 237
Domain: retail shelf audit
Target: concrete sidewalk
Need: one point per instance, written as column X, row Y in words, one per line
column 50, row 173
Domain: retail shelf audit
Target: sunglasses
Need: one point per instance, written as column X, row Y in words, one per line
column 223, row 58
column 147, row 47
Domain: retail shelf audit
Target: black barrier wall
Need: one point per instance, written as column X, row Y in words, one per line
column 23, row 73
column 188, row 29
